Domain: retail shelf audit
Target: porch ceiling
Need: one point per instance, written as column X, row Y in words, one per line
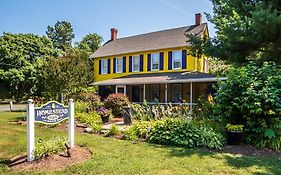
column 160, row 78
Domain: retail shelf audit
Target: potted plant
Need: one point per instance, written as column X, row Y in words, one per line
column 234, row 134
column 105, row 114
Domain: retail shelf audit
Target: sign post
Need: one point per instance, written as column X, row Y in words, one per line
column 30, row 130
column 71, row 124
column 49, row 113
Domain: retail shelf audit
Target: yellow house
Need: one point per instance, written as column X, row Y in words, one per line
column 154, row 66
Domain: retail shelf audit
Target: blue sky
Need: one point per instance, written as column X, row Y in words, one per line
column 130, row 17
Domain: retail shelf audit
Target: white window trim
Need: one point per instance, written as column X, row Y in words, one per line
column 120, row 86
column 106, row 72
column 116, row 65
column 151, row 62
column 133, row 63
column 173, row 60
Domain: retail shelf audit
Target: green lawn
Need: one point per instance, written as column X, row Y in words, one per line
column 112, row 156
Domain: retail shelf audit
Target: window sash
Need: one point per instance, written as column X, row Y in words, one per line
column 136, row 63
column 104, row 66
column 177, row 60
column 155, row 61
column 119, row 65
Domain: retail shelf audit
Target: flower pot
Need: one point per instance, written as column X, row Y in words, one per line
column 234, row 137
column 105, row 119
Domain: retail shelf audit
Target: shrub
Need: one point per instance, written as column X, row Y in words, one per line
column 251, row 96
column 81, row 107
column 46, row 148
column 114, row 130
column 91, row 119
column 116, row 102
column 237, row 128
column 180, row 132
column 138, row 131
column 93, row 101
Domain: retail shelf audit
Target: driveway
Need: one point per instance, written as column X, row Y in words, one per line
column 17, row 107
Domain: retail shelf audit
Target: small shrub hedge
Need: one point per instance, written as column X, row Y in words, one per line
column 177, row 132
column 180, row 132
column 138, row 131
column 46, row 148
column 92, row 119
column 116, row 102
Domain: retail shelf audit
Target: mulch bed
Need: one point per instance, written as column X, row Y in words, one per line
column 248, row 150
column 54, row 162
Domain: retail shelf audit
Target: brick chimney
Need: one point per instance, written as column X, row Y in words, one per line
column 198, row 19
column 113, row 34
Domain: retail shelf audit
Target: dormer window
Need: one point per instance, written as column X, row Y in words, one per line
column 136, row 63
column 155, row 61
column 177, row 59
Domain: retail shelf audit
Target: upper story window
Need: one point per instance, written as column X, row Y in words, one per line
column 119, row 65
column 136, row 63
column 104, row 66
column 155, row 61
column 177, row 59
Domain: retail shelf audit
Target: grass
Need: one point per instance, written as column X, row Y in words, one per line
column 117, row 157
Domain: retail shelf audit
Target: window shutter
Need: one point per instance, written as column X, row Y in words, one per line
column 170, row 60
column 141, row 63
column 124, row 64
column 183, row 59
column 108, row 66
column 148, row 62
column 161, row 61
column 114, row 65
column 130, row 63
column 99, row 66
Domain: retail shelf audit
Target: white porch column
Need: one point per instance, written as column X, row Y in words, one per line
column 115, row 89
column 166, row 93
column 190, row 101
column 125, row 90
column 143, row 92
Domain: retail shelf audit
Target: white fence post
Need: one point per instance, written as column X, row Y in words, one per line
column 30, row 131
column 71, row 124
column 11, row 106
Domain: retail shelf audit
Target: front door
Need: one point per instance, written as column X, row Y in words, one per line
column 136, row 93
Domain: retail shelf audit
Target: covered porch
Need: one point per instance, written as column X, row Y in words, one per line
column 171, row 87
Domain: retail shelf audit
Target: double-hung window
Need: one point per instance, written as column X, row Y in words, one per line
column 155, row 61
column 104, row 66
column 119, row 65
column 136, row 63
column 177, row 60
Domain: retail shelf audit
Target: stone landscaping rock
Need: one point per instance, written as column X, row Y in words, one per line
column 88, row 130
column 81, row 125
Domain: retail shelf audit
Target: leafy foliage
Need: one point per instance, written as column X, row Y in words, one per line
column 93, row 100
column 180, row 132
column 21, row 58
column 91, row 119
column 246, row 30
column 61, row 34
column 64, row 74
column 116, row 102
column 90, row 43
column 251, row 96
column 46, row 148
column 238, row 128
column 138, row 130
column 113, row 130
